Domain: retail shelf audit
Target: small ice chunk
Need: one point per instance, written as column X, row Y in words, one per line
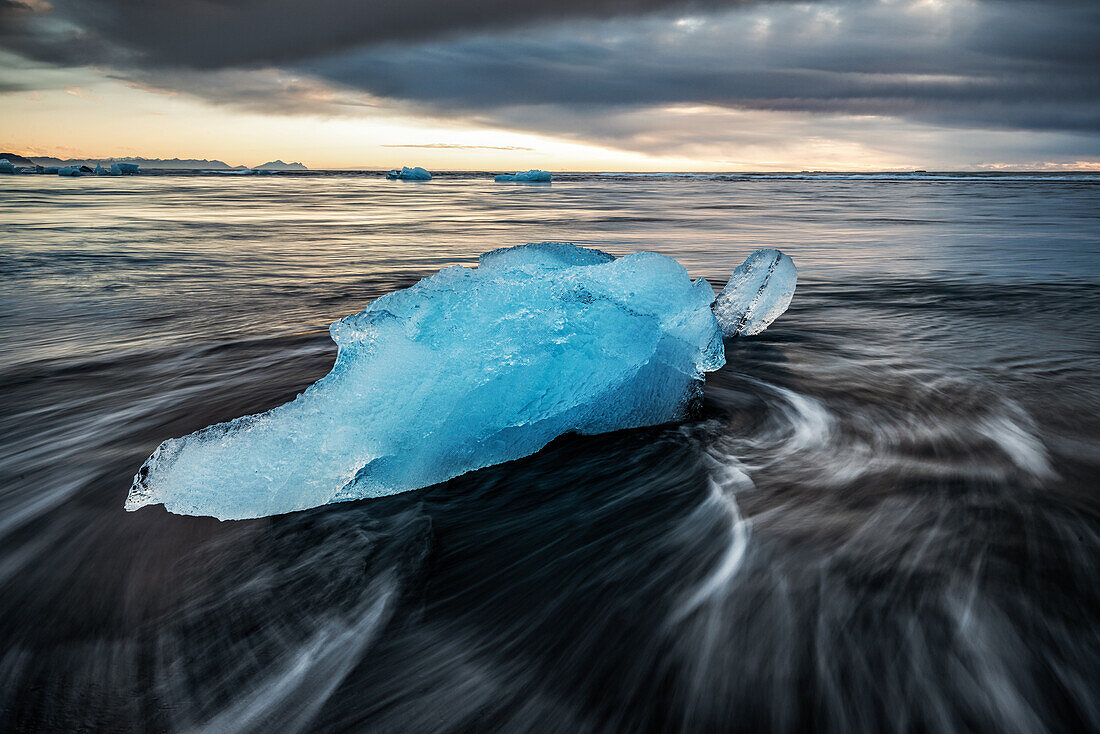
column 532, row 176
column 468, row 368
column 6, row 166
column 757, row 293
column 128, row 169
column 69, row 171
column 409, row 174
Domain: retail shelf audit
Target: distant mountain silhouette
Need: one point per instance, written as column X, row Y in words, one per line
column 178, row 164
column 17, row 160
column 165, row 164
column 280, row 166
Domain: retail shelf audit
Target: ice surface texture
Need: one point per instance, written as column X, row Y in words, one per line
column 757, row 293
column 409, row 174
column 465, row 369
column 532, row 176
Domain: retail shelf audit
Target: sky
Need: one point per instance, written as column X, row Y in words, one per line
column 625, row 85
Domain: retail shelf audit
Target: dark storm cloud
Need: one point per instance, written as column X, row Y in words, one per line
column 1003, row 65
column 211, row 34
column 35, row 30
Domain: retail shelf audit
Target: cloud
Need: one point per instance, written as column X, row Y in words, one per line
column 852, row 59
column 894, row 77
column 455, row 146
column 733, row 139
column 268, row 90
column 205, row 34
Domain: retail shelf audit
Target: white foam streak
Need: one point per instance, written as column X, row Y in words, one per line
column 1020, row 445
column 726, row 478
column 292, row 695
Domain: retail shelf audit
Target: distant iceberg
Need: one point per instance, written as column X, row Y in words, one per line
column 532, row 176
column 409, row 174
column 69, row 171
column 6, row 166
column 468, row 368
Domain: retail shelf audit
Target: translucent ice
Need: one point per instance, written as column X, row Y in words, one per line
column 532, row 176
column 409, row 174
column 757, row 293
column 465, row 369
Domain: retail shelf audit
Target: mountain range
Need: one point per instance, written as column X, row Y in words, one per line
column 176, row 164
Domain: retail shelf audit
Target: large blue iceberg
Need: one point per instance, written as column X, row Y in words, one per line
column 468, row 368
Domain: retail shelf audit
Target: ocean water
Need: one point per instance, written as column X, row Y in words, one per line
column 885, row 517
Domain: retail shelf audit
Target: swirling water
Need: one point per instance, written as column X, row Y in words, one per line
column 884, row 518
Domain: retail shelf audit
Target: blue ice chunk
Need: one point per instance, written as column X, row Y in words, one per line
column 758, row 292
column 542, row 255
column 6, row 166
column 466, row 369
column 69, row 171
column 532, row 176
column 409, row 174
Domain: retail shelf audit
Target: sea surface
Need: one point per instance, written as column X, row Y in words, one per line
column 885, row 517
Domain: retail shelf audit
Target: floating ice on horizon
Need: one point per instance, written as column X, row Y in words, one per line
column 6, row 166
column 532, row 176
column 409, row 174
column 69, row 171
column 758, row 292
